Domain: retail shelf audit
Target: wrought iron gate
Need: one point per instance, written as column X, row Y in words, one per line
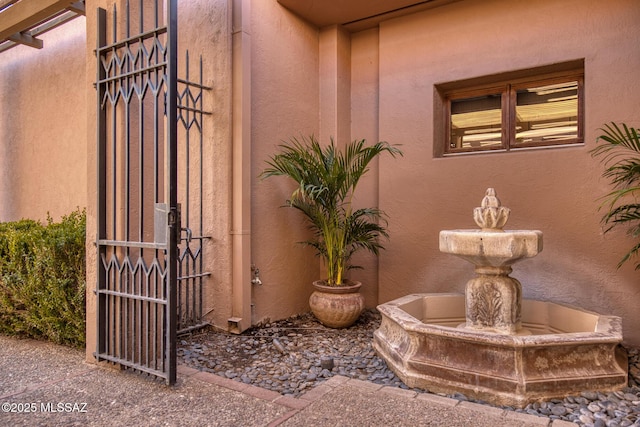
column 150, row 144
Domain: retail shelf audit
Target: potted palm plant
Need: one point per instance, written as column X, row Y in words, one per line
column 620, row 151
column 327, row 178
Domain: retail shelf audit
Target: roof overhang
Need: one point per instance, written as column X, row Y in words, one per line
column 21, row 21
column 356, row 15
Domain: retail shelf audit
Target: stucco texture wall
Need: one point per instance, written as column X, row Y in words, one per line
column 285, row 96
column 43, row 129
column 205, row 31
column 554, row 190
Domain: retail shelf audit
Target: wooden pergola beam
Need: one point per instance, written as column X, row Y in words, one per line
column 78, row 8
column 26, row 14
column 6, row 3
column 27, row 40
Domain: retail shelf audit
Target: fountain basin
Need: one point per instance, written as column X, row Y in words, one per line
column 491, row 248
column 569, row 350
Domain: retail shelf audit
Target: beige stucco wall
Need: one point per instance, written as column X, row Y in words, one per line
column 390, row 84
column 285, row 103
column 205, row 30
column 42, row 124
column 554, row 190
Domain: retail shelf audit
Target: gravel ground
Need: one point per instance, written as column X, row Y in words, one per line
column 294, row 355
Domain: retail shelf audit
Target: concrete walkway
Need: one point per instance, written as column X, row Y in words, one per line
column 58, row 388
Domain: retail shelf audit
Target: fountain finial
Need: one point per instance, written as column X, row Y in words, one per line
column 491, row 216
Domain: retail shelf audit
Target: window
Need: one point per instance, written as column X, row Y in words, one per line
column 530, row 108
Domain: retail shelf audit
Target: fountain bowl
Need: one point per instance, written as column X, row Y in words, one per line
column 491, row 248
column 567, row 350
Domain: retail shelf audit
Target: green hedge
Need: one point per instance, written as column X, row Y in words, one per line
column 42, row 279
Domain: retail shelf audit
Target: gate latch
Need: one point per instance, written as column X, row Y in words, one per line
column 164, row 217
column 160, row 223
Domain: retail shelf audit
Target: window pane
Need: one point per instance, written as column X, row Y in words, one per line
column 476, row 123
column 547, row 114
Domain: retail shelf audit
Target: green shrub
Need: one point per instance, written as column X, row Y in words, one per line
column 42, row 279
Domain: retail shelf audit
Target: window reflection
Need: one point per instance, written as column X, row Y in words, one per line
column 538, row 107
column 547, row 113
column 476, row 122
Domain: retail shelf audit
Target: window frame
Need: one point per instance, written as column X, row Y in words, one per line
column 507, row 85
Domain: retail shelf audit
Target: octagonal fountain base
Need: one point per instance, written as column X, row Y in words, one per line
column 561, row 350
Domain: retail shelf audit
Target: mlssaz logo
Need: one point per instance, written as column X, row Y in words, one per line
column 63, row 407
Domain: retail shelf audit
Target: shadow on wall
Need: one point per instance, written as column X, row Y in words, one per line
column 35, row 110
column 9, row 84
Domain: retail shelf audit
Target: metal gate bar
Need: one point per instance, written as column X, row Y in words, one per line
column 191, row 273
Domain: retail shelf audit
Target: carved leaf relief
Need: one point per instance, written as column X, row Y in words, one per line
column 485, row 304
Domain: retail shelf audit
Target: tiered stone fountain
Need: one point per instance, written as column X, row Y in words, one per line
column 491, row 344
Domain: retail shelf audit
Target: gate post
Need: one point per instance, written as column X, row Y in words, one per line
column 174, row 213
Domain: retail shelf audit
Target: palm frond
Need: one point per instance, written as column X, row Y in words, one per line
column 620, row 154
column 634, row 252
column 327, row 178
column 623, row 214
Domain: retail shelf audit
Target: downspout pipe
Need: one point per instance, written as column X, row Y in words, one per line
column 240, row 319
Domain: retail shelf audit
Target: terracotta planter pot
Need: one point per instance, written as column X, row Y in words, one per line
column 337, row 306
